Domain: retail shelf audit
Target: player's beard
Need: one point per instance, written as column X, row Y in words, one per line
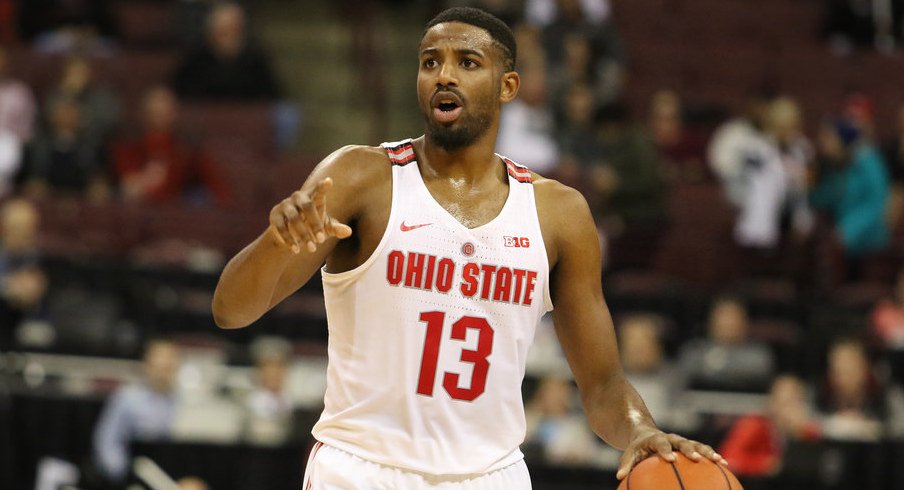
column 465, row 130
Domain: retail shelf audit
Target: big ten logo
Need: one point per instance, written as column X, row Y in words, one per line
column 516, row 241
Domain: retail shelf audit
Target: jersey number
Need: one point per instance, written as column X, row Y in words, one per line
column 435, row 321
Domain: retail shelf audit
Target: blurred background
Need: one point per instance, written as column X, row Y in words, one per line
column 744, row 160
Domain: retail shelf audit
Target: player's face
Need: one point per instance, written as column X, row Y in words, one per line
column 460, row 83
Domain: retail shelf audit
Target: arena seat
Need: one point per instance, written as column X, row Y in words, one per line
column 145, row 23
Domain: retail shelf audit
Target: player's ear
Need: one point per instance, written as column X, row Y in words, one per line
column 510, row 83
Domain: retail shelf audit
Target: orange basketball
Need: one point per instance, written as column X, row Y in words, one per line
column 654, row 473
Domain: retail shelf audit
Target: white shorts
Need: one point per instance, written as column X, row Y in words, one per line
column 329, row 468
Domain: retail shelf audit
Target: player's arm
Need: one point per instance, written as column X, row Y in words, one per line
column 303, row 230
column 614, row 409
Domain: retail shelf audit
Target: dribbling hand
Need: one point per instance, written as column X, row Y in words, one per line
column 659, row 443
column 301, row 219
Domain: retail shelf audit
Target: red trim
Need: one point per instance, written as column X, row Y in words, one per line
column 395, row 154
column 314, row 449
column 519, row 173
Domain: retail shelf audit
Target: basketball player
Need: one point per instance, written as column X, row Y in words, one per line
column 440, row 258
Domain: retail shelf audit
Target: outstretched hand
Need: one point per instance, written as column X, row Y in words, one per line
column 301, row 219
column 657, row 442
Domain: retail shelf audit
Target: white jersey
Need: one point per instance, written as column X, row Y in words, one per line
column 428, row 338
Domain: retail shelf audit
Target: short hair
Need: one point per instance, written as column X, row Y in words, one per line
column 500, row 32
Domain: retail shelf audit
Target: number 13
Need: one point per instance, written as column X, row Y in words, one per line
column 430, row 357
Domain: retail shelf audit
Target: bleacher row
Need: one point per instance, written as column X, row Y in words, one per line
column 717, row 51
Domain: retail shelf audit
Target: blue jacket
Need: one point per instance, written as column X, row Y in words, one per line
column 857, row 195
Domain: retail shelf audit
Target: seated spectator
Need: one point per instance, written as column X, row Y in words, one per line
column 727, row 359
column 749, row 165
column 851, row 398
column 784, row 127
column 555, row 423
column 143, row 411
column 628, row 179
column 22, row 282
column 582, row 45
column 739, row 144
column 64, row 160
column 17, row 118
column 682, row 148
column 526, row 129
column 853, row 188
column 640, row 345
column 268, row 408
column 98, row 107
column 888, row 317
column 227, row 66
column 577, row 138
column 161, row 165
column 755, row 444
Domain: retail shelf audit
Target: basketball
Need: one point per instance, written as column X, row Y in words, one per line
column 654, row 473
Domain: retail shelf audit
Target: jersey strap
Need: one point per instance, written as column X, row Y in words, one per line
column 518, row 172
column 400, row 154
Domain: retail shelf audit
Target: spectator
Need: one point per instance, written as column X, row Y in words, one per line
column 161, row 165
column 138, row 412
column 17, row 117
column 555, row 423
column 853, row 188
column 227, row 66
column 851, row 399
column 752, row 173
column 640, row 345
column 629, row 182
column 98, row 107
column 783, row 126
column 526, row 129
column 22, row 282
column 577, row 138
column 268, row 407
column 755, row 444
column 727, row 359
column 737, row 144
column 888, row 317
column 682, row 148
column 64, row 160
column 17, row 102
column 582, row 45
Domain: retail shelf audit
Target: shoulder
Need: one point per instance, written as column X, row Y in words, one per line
column 357, row 164
column 565, row 219
column 552, row 192
column 559, row 204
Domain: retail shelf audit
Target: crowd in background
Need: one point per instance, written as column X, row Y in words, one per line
column 816, row 206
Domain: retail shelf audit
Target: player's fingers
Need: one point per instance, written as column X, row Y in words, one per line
column 687, row 447
column 315, row 224
column 710, row 453
column 322, row 188
column 319, row 199
column 624, row 466
column 629, row 458
column 308, row 224
column 296, row 233
column 280, row 225
column 337, row 229
column 661, row 445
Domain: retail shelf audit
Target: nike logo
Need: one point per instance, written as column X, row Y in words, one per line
column 405, row 227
